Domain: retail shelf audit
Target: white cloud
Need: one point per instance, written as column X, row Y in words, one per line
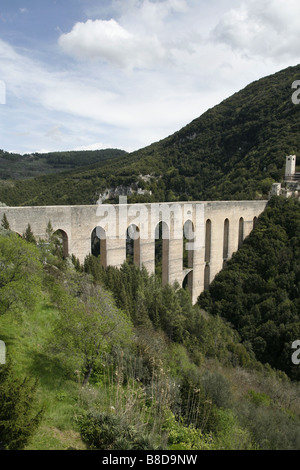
column 262, row 28
column 54, row 133
column 94, row 146
column 142, row 75
column 146, row 14
column 109, row 41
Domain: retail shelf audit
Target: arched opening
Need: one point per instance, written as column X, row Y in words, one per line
column 61, row 242
column 162, row 235
column 133, row 245
column 187, row 282
column 98, row 245
column 255, row 220
column 207, row 241
column 188, row 255
column 206, row 276
column 188, row 237
column 226, row 240
column 241, row 231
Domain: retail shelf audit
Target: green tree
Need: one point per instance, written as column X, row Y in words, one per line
column 104, row 431
column 5, row 223
column 20, row 274
column 20, row 413
column 87, row 327
column 28, row 235
column 49, row 232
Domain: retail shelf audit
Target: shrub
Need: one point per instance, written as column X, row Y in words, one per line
column 18, row 417
column 107, row 431
column 217, row 387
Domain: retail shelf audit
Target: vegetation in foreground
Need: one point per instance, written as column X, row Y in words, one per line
column 109, row 359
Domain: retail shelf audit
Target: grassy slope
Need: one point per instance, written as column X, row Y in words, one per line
column 25, row 341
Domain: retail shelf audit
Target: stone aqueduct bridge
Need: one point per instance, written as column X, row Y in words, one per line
column 214, row 231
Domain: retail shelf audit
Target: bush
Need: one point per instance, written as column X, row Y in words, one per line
column 107, row 431
column 271, row 428
column 18, row 417
column 181, row 437
column 217, row 387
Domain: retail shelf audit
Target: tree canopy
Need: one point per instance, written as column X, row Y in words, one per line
column 258, row 292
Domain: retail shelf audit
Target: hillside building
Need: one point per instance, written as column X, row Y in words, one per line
column 291, row 184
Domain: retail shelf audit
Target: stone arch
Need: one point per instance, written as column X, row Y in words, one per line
column 241, row 232
column 187, row 282
column 98, row 245
column 188, row 255
column 64, row 241
column 188, row 237
column 206, row 276
column 162, row 237
column 133, row 255
column 208, row 226
column 226, row 242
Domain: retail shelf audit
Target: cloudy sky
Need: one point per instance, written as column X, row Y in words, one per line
column 90, row 74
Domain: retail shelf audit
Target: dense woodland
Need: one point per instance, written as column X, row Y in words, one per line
column 110, row 359
column 259, row 290
column 15, row 167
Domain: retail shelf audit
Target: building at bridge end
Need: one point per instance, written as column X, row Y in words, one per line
column 290, row 187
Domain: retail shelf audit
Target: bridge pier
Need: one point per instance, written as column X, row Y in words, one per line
column 216, row 230
column 147, row 255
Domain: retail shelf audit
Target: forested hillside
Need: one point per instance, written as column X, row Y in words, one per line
column 233, row 151
column 14, row 166
column 110, row 359
column 259, row 290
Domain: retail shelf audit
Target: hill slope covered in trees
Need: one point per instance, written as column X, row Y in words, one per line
column 233, row 151
column 111, row 360
column 259, row 290
column 14, row 166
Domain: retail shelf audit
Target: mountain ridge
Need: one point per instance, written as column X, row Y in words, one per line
column 235, row 150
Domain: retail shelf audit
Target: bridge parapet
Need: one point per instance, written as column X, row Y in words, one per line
column 215, row 231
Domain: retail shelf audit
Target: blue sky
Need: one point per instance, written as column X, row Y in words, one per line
column 87, row 74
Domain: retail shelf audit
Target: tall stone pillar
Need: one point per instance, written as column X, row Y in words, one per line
column 147, row 254
column 80, row 247
column 217, row 243
column 175, row 270
column 115, row 252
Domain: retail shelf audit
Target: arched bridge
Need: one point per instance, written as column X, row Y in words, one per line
column 197, row 238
